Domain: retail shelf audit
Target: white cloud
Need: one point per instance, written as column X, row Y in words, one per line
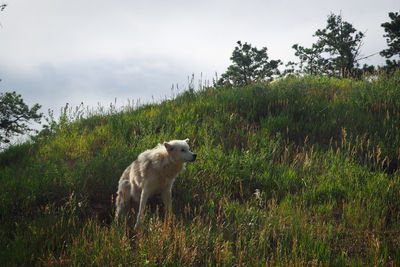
column 72, row 51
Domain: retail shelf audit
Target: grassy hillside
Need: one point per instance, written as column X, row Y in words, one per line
column 302, row 171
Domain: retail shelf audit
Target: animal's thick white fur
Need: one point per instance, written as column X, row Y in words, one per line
column 153, row 172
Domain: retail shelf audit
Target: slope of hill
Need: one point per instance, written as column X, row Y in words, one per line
column 302, row 171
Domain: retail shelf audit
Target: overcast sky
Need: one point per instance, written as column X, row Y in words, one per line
column 53, row 52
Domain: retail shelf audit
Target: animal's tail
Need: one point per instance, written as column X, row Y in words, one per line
column 123, row 201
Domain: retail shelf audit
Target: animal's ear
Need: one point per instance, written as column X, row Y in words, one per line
column 187, row 140
column 168, row 146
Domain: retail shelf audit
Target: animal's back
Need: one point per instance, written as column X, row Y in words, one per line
column 125, row 174
column 136, row 168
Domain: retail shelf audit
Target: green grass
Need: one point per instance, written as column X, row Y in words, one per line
column 303, row 171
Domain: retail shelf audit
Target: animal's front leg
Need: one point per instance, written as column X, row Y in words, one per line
column 143, row 199
column 166, row 198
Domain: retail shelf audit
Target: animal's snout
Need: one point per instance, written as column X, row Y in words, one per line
column 194, row 156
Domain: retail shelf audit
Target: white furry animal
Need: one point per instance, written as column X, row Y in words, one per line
column 153, row 172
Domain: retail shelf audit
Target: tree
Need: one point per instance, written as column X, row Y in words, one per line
column 392, row 35
column 336, row 52
column 249, row 65
column 311, row 60
column 2, row 7
column 14, row 115
column 342, row 41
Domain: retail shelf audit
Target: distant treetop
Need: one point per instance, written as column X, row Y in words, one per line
column 249, row 65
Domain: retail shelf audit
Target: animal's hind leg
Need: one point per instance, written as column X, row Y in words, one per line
column 123, row 201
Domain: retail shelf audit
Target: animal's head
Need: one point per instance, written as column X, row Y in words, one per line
column 179, row 150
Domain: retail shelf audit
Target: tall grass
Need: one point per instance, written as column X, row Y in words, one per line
column 303, row 171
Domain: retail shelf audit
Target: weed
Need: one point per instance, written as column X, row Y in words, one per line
column 303, row 171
